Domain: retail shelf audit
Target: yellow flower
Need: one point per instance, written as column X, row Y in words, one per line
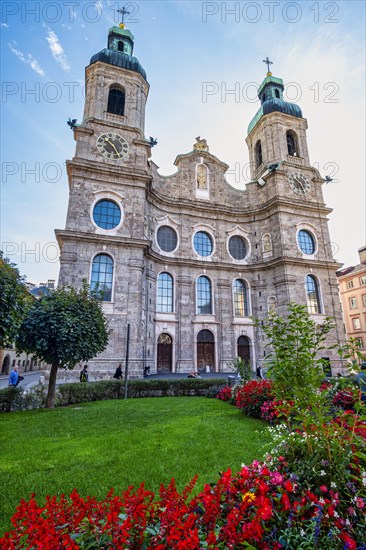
column 248, row 496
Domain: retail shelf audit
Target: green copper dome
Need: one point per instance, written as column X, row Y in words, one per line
column 119, row 51
column 270, row 93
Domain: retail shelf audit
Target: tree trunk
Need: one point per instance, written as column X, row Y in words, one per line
column 50, row 403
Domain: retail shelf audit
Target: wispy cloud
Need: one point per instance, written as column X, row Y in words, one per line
column 57, row 50
column 4, row 25
column 29, row 59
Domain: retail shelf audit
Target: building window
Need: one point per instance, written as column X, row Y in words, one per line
column 167, row 238
column 364, row 299
column 353, row 303
column 312, row 290
column 306, row 242
column 116, row 102
column 349, row 284
column 258, row 154
column 363, row 280
column 102, row 276
column 359, row 342
column 240, row 294
column 120, row 46
column 237, row 247
column 203, row 243
column 277, row 93
column 204, row 295
column 292, row 144
column 106, row 214
column 356, row 323
column 165, row 293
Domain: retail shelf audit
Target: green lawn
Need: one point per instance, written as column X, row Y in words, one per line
column 95, row 446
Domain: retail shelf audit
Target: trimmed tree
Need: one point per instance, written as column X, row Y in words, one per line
column 14, row 298
column 64, row 328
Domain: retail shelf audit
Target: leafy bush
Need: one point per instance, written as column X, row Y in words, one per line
column 252, row 395
column 225, row 394
column 17, row 399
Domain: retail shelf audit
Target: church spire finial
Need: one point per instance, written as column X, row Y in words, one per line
column 268, row 63
column 123, row 12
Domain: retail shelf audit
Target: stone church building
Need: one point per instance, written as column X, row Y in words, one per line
column 187, row 260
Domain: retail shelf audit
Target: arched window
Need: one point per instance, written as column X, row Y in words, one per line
column 120, row 46
column 263, row 97
column 313, row 295
column 277, row 93
column 102, row 276
column 204, row 295
column 292, row 144
column 240, row 295
column 165, row 293
column 116, row 102
column 258, row 154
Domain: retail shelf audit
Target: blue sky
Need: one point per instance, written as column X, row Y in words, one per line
column 186, row 48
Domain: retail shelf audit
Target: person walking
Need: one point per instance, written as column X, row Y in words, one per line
column 118, row 374
column 14, row 376
column 84, row 375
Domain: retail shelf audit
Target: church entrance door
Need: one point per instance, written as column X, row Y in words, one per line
column 205, row 350
column 244, row 348
column 6, row 365
column 165, row 353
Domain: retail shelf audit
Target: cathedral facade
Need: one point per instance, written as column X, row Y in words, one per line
column 187, row 260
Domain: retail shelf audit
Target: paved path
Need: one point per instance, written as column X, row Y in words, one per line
column 30, row 379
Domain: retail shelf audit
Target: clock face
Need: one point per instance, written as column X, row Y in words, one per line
column 299, row 183
column 112, row 146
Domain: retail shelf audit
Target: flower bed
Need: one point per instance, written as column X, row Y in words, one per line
column 256, row 506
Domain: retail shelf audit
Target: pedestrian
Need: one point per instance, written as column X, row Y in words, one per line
column 259, row 373
column 14, row 376
column 118, row 374
column 84, row 376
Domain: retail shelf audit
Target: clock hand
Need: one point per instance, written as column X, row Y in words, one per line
column 298, row 181
column 110, row 143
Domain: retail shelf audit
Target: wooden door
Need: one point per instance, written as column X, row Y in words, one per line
column 205, row 350
column 244, row 348
column 165, row 354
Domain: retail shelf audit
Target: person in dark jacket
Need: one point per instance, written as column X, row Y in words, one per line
column 84, row 375
column 118, row 374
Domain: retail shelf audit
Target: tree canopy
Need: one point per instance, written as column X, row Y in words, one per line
column 63, row 328
column 14, row 298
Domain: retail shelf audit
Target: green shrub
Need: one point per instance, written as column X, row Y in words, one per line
column 15, row 399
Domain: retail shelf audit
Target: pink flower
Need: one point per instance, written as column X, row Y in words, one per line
column 359, row 502
column 324, row 488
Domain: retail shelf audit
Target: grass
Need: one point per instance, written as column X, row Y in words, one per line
column 95, row 446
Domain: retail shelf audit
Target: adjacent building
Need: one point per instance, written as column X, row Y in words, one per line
column 352, row 290
column 187, row 260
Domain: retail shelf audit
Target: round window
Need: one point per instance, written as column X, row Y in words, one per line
column 203, row 243
column 237, row 247
column 106, row 214
column 306, row 242
column 167, row 238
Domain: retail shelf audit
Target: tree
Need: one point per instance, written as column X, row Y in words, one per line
column 63, row 328
column 14, row 298
column 295, row 343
